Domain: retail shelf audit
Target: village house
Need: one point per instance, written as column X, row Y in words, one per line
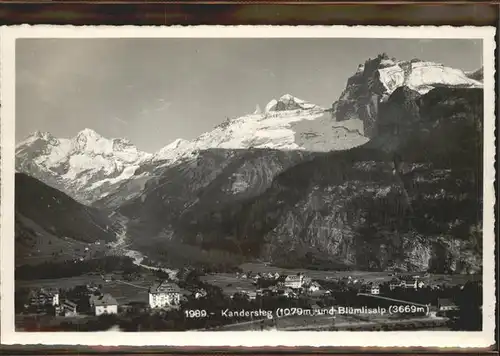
column 273, row 289
column 252, row 295
column 446, row 305
column 394, row 283
column 409, row 282
column 67, row 308
column 103, row 304
column 375, row 289
column 314, row 287
column 294, row 281
column 289, row 293
column 164, row 294
column 406, row 282
column 45, row 297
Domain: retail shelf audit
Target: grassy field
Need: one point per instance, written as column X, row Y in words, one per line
column 42, row 246
column 136, row 291
column 64, row 283
column 122, row 291
column 228, row 282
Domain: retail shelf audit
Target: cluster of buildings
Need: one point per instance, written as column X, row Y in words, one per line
column 44, row 297
column 406, row 282
column 290, row 286
column 99, row 303
column 167, row 295
column 161, row 295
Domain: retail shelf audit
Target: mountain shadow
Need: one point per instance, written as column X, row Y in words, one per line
column 410, row 196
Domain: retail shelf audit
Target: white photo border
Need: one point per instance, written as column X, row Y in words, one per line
column 428, row 339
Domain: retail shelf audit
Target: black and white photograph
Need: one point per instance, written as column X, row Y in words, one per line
column 335, row 183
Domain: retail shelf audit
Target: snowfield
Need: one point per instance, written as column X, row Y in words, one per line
column 422, row 76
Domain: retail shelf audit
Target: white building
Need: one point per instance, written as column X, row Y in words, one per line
column 314, row 287
column 445, row 305
column 68, row 308
column 375, row 289
column 406, row 282
column 410, row 282
column 103, row 304
column 252, row 295
column 294, row 281
column 164, row 294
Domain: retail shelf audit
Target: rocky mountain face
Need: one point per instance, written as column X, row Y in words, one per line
column 377, row 78
column 407, row 200
column 476, row 75
column 389, row 178
column 84, row 167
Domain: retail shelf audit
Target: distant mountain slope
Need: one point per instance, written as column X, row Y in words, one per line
column 215, row 179
column 58, row 214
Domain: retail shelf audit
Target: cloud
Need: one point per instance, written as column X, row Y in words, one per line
column 121, row 121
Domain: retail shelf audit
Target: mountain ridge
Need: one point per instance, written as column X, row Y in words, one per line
column 393, row 189
column 376, row 79
column 369, row 183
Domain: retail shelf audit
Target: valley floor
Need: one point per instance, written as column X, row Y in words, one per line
column 129, row 291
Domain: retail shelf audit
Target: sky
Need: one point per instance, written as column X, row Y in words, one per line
column 153, row 91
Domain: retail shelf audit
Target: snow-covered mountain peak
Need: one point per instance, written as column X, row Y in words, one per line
column 289, row 123
column 41, row 134
column 176, row 143
column 375, row 80
column 288, row 102
column 174, row 150
column 38, row 135
column 88, row 133
column 417, row 74
column 289, row 97
column 81, row 165
column 89, row 140
column 37, row 142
